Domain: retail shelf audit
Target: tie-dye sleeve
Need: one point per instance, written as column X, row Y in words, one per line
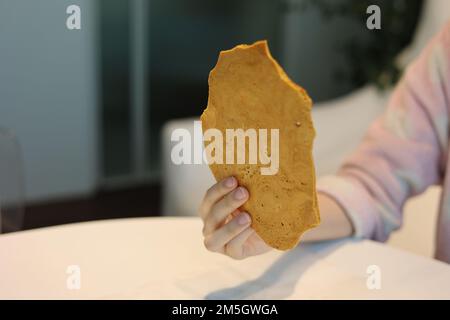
column 403, row 152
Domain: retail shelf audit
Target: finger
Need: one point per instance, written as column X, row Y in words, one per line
column 231, row 216
column 235, row 247
column 217, row 240
column 215, row 193
column 223, row 208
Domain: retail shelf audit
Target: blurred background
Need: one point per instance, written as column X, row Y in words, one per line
column 86, row 115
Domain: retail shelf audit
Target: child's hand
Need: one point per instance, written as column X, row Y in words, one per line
column 226, row 229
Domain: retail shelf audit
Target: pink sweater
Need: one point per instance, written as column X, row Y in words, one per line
column 404, row 152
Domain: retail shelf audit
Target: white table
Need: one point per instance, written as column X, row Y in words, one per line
column 164, row 258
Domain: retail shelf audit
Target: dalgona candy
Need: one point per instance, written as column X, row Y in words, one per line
column 249, row 90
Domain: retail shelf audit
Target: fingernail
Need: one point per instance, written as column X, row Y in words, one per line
column 244, row 218
column 229, row 182
column 240, row 194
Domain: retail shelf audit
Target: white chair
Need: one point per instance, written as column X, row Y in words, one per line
column 340, row 125
column 184, row 185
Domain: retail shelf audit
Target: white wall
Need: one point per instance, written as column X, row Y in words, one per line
column 48, row 94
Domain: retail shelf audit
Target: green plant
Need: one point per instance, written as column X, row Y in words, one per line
column 374, row 60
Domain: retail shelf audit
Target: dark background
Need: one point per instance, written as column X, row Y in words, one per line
column 323, row 45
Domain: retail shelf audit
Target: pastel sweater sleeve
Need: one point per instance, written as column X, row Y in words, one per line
column 403, row 152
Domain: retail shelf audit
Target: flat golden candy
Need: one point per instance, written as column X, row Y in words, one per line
column 248, row 89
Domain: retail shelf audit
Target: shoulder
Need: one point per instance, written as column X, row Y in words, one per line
column 443, row 38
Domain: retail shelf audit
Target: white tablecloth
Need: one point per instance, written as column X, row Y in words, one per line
column 164, row 258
